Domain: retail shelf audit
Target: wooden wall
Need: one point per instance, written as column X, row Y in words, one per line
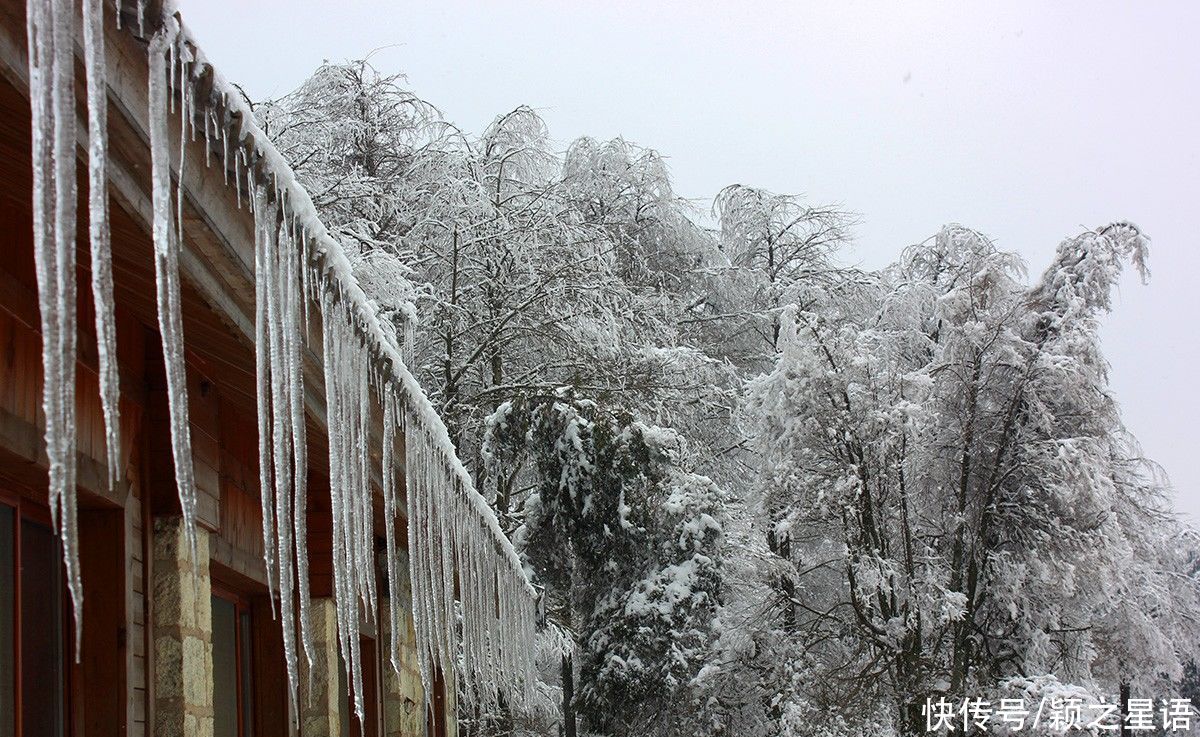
column 113, row 659
column 220, row 374
column 113, row 685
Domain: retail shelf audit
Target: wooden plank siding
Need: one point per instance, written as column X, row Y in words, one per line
column 218, row 325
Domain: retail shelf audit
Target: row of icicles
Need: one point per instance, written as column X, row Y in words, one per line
column 454, row 542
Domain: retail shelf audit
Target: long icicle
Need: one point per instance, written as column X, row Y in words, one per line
column 267, row 213
column 100, row 234
column 166, row 271
column 262, row 356
column 390, row 422
column 358, row 402
column 65, row 200
column 342, row 377
column 52, row 107
column 293, row 352
column 418, row 567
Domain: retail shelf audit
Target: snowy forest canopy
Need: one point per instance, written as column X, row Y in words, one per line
column 764, row 493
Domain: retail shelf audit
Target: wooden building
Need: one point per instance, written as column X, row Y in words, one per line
column 175, row 642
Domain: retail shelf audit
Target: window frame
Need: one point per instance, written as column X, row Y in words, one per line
column 26, row 509
column 242, row 607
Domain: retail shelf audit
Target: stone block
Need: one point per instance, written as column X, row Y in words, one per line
column 182, row 633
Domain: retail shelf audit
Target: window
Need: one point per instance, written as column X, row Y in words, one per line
column 233, row 685
column 32, row 646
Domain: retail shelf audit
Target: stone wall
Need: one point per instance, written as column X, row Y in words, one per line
column 320, row 710
column 183, row 653
column 183, row 693
column 403, row 697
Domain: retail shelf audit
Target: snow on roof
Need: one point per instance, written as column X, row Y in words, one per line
column 456, row 545
column 273, row 167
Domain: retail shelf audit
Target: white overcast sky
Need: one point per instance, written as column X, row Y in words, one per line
column 1023, row 120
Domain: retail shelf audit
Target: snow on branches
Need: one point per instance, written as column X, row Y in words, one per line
column 951, row 430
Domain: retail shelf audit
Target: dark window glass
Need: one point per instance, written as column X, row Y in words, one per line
column 8, row 603
column 225, row 670
column 41, row 632
column 247, row 682
column 233, row 687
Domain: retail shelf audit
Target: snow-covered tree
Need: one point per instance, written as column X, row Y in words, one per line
column 777, row 241
column 878, row 486
column 627, row 544
column 963, row 501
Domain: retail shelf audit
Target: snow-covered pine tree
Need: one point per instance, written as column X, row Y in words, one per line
column 628, row 545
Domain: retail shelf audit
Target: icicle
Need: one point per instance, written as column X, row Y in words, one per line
column 367, row 508
column 99, row 233
column 343, row 378
column 166, row 268
column 51, row 37
column 281, row 414
column 191, row 102
column 171, row 60
column 262, row 226
column 359, row 461
column 332, row 365
column 307, row 285
column 62, row 503
column 389, row 523
column 251, row 182
column 363, row 557
column 416, row 475
column 293, row 354
column 445, row 563
column 183, row 95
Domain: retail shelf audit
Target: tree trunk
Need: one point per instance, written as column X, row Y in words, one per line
column 912, row 722
column 568, row 696
column 501, row 487
column 449, row 384
column 781, row 545
column 1125, row 692
column 788, row 584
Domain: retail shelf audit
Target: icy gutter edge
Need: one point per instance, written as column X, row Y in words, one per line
column 275, row 169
